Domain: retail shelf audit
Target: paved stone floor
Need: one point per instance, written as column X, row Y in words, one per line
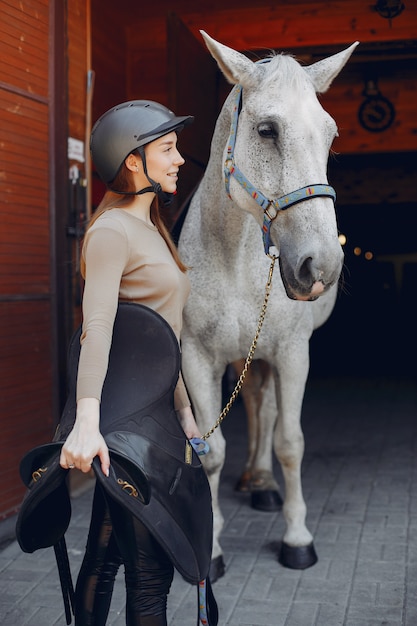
column 359, row 478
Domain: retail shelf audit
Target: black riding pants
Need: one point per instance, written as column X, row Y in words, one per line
column 116, row 537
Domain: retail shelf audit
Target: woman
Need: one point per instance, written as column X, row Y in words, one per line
column 127, row 256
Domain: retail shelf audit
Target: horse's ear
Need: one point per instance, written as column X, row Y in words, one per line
column 235, row 66
column 322, row 73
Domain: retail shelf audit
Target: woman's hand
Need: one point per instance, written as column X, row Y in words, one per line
column 85, row 440
column 188, row 422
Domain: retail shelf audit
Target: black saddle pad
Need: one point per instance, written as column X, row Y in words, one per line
column 143, row 369
column 154, row 471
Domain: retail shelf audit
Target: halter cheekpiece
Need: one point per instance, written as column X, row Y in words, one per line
column 270, row 208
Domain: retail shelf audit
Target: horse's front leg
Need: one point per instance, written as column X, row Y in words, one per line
column 297, row 548
column 203, row 380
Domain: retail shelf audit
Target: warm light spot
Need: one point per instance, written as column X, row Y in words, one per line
column 357, row 251
column 369, row 256
column 342, row 239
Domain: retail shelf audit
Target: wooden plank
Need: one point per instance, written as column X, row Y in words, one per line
column 17, row 139
column 291, row 25
column 147, row 76
column 22, row 256
column 198, row 86
column 109, row 59
column 345, row 96
column 26, row 387
column 35, row 220
column 24, row 189
column 301, row 26
column 24, row 46
column 28, row 8
column 77, row 71
column 32, row 29
column 27, row 254
column 30, row 113
column 31, row 193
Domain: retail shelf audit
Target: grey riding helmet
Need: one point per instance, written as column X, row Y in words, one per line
column 126, row 127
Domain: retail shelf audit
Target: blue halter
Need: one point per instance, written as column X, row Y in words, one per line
column 270, row 207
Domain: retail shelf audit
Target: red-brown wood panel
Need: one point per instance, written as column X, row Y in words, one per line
column 109, row 57
column 24, row 237
column 345, row 97
column 310, row 30
column 78, row 66
column 192, row 92
column 24, row 44
column 26, row 387
column 26, row 390
column 288, row 24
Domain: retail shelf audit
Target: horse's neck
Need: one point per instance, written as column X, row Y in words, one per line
column 219, row 216
column 222, row 221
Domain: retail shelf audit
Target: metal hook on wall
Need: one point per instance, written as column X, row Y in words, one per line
column 389, row 8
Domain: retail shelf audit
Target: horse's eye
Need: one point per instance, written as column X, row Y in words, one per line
column 267, row 130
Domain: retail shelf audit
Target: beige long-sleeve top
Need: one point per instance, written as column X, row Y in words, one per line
column 126, row 260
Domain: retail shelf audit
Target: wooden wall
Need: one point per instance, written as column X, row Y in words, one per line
column 109, row 57
column 396, row 82
column 310, row 30
column 26, row 377
column 35, row 264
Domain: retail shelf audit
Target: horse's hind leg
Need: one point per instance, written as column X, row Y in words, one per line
column 258, row 393
column 250, row 397
column 297, row 548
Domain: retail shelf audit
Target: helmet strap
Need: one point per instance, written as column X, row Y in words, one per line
column 155, row 187
column 165, row 197
column 133, row 193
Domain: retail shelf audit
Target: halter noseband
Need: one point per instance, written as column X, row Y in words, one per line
column 269, row 207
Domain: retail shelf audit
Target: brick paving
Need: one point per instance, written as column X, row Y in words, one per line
column 359, row 478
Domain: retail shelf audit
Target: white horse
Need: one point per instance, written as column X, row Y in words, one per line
column 269, row 153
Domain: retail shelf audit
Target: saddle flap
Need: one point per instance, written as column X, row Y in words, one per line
column 177, row 510
column 143, row 367
column 45, row 512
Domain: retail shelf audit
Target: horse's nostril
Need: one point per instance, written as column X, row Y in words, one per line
column 305, row 273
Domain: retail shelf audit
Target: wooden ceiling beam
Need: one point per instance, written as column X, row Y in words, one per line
column 289, row 26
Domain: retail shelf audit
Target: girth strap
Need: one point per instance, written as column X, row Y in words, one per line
column 208, row 614
column 65, row 578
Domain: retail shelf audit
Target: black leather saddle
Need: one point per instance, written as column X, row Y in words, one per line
column 154, row 472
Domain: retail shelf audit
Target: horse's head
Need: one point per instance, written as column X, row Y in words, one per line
column 276, row 161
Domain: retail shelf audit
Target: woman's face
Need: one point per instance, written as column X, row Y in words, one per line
column 163, row 161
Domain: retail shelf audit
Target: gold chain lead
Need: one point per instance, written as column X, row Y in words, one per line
column 251, row 352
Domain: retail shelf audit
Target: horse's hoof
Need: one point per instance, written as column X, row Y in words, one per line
column 297, row 557
column 268, row 500
column 217, row 568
